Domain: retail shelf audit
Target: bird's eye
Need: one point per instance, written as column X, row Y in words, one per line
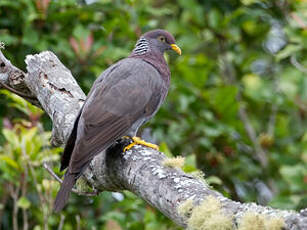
column 161, row 38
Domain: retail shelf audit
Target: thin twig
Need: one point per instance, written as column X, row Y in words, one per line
column 253, row 137
column 297, row 65
column 271, row 124
column 58, row 179
column 230, row 78
column 274, row 108
column 42, row 199
column 299, row 21
column 49, row 170
column 24, row 190
column 78, row 222
column 14, row 195
column 61, row 222
column 16, row 92
column 23, row 194
column 4, row 199
column 300, row 104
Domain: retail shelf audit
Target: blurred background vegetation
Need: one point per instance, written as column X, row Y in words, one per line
column 236, row 109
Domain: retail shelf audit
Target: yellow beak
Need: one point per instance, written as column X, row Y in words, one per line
column 176, row 48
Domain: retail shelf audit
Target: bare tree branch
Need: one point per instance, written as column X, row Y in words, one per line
column 13, row 79
column 57, row 91
column 58, row 179
column 139, row 170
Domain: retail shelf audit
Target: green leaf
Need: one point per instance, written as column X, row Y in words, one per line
column 9, row 161
column 8, row 39
column 80, row 32
column 289, row 50
column 165, row 149
column 223, row 100
column 23, row 203
column 190, row 164
column 11, row 137
column 29, row 142
column 30, row 36
column 37, row 227
column 248, row 2
column 21, row 104
column 295, row 176
column 214, row 19
column 214, row 180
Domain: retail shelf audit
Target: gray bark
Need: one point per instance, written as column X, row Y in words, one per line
column 14, row 78
column 139, row 170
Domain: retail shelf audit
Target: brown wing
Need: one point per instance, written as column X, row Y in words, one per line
column 113, row 105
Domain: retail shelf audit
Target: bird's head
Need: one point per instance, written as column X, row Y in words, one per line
column 160, row 40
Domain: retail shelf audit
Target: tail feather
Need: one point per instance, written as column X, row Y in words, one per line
column 64, row 192
column 69, row 147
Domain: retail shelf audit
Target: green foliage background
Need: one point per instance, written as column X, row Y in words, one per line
column 243, row 64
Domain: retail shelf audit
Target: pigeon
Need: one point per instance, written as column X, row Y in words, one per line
column 124, row 97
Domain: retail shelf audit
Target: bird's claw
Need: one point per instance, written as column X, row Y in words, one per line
column 139, row 141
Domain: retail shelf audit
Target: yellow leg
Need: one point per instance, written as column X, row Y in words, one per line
column 139, row 141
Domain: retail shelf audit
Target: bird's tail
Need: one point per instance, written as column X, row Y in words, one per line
column 64, row 192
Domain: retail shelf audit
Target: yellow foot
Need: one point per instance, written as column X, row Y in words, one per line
column 139, row 141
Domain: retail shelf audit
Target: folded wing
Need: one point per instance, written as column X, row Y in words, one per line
column 129, row 92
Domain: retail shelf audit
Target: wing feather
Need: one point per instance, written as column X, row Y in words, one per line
column 114, row 104
column 69, row 147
